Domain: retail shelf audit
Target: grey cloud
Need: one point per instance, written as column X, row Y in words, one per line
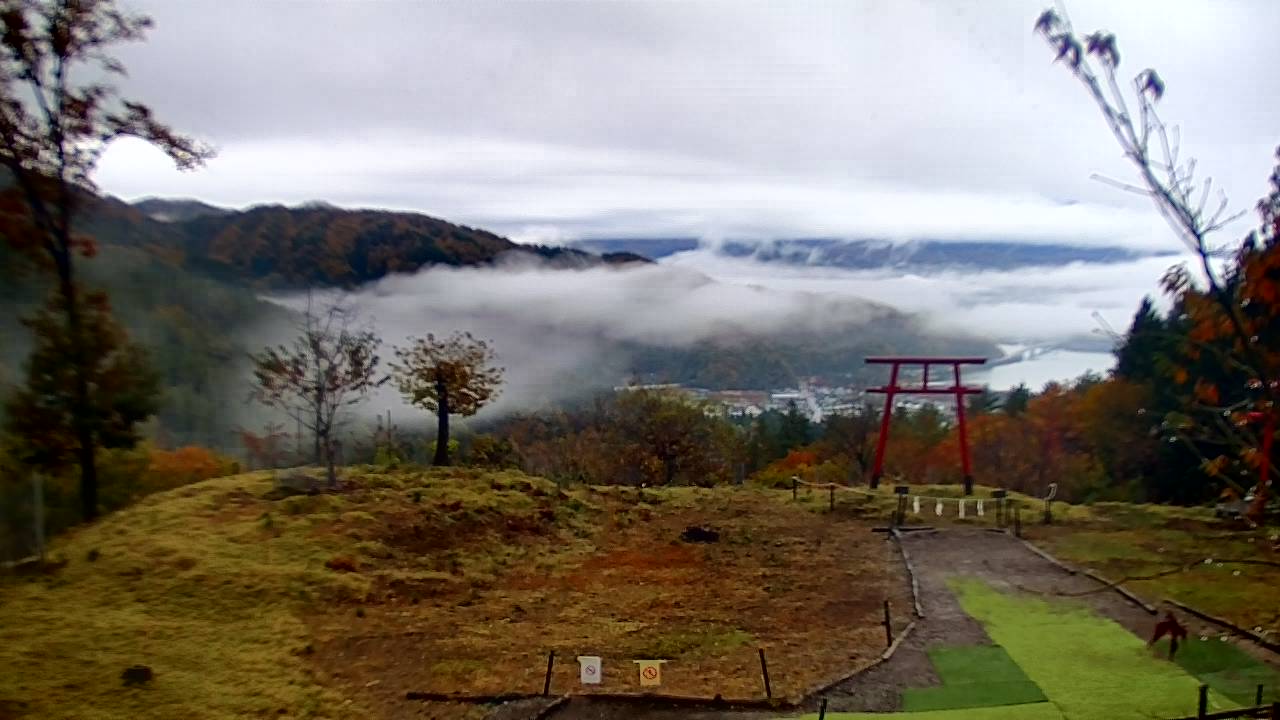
column 561, row 333
column 1030, row 306
column 928, row 98
column 564, row 333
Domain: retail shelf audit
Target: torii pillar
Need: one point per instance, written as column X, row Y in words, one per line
column 958, row 389
column 1258, row 509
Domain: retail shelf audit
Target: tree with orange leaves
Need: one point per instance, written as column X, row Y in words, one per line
column 1229, row 368
column 1232, row 316
column 56, row 120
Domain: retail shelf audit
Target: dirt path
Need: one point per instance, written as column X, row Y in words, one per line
column 1000, row 560
column 997, row 559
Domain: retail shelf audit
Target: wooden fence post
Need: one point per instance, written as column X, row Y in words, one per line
column 822, row 710
column 1202, row 707
column 900, row 516
column 795, row 484
column 888, row 626
column 37, row 482
column 1257, row 698
column 764, row 670
column 546, row 684
column 832, row 489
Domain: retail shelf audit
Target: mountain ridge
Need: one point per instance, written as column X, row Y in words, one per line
column 926, row 254
column 317, row 243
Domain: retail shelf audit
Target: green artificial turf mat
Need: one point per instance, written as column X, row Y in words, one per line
column 1224, row 667
column 973, row 676
column 971, row 695
column 974, row 664
column 1241, row 685
column 1087, row 665
column 1198, row 656
column 1039, row 711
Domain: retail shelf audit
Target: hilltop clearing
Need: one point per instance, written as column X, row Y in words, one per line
column 336, row 605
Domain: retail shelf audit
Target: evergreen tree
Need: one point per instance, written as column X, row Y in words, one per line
column 794, row 429
column 1016, row 400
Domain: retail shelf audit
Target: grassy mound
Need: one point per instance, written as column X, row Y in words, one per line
column 209, row 586
column 245, row 603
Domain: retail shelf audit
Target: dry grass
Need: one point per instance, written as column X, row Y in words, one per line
column 804, row 584
column 1120, row 540
column 188, row 582
column 335, row 605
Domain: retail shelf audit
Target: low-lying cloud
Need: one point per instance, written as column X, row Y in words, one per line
column 1040, row 306
column 564, row 333
column 560, row 333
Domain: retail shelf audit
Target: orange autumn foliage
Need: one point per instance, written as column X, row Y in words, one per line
column 798, row 458
column 186, row 465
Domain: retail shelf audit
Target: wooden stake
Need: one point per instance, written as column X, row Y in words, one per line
column 832, row 490
column 822, row 710
column 888, row 625
column 764, row 671
column 1202, row 709
column 1257, row 698
column 795, row 483
column 546, row 684
column 38, row 487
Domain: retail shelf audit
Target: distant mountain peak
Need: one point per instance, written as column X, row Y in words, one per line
column 171, row 210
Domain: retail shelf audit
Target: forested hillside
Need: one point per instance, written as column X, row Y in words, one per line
column 321, row 245
column 196, row 330
column 186, row 286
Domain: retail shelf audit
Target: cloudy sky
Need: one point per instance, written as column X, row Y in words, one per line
column 548, row 120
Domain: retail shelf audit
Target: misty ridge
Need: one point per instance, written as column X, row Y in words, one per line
column 929, row 255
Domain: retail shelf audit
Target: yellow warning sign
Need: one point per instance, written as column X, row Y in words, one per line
column 650, row 672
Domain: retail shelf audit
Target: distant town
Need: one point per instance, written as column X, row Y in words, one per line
column 812, row 398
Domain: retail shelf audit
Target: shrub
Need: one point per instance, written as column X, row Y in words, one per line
column 186, row 465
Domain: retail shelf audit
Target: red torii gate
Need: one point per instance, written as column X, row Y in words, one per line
column 893, row 388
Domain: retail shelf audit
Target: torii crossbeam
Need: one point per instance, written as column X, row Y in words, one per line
column 893, row 389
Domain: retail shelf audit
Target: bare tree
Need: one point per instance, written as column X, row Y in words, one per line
column 1189, row 205
column 450, row 376
column 1168, row 178
column 331, row 365
column 54, row 127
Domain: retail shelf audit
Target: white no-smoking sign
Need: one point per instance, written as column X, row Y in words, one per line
column 589, row 669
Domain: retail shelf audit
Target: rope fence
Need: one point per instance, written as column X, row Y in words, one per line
column 1005, row 510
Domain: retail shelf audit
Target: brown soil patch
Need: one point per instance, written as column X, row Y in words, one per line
column 807, row 586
